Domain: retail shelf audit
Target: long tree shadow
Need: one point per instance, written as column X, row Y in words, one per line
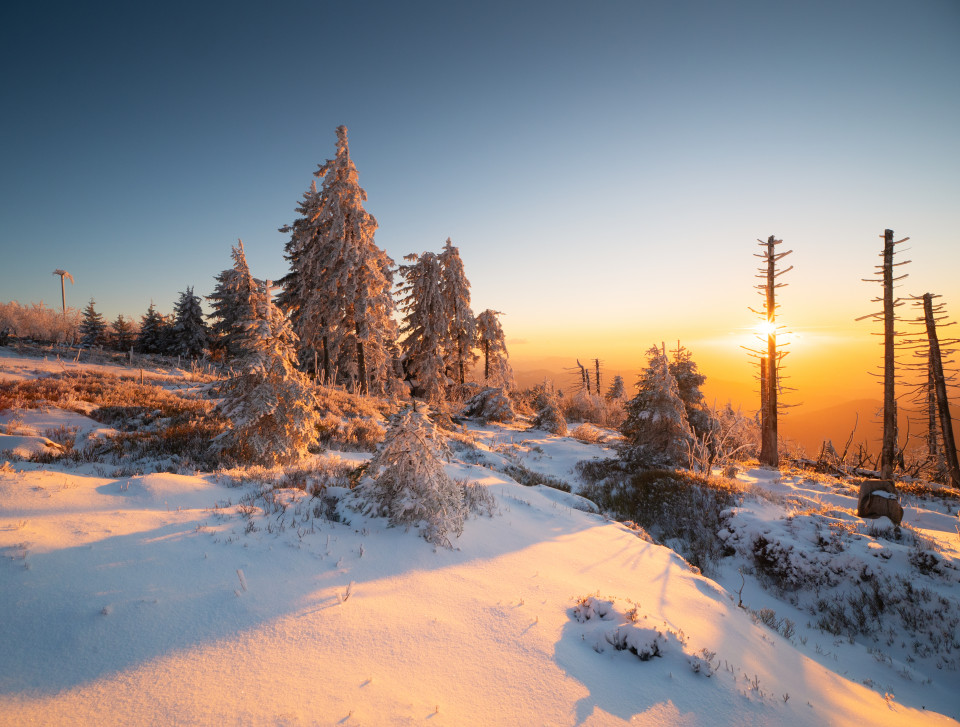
column 81, row 613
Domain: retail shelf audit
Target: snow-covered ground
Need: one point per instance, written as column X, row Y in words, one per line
column 180, row 599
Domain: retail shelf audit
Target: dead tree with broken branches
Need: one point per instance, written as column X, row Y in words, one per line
column 888, row 449
column 932, row 391
column 771, row 354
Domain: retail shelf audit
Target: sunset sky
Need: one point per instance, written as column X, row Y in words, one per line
column 605, row 168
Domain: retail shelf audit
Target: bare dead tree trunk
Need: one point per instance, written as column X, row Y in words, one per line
column 889, row 396
column 596, row 363
column 931, row 395
column 943, row 405
column 763, row 394
column 770, row 384
column 887, row 315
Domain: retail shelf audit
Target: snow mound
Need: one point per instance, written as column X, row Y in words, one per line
column 567, row 498
column 25, row 446
column 169, row 490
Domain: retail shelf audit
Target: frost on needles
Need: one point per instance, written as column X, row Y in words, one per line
column 406, row 482
column 270, row 405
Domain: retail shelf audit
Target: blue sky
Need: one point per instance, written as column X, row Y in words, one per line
column 605, row 168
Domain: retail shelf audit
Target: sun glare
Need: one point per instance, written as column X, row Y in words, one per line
column 765, row 328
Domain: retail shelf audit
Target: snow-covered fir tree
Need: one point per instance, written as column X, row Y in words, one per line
column 306, row 309
column 689, row 380
column 425, row 325
column 93, row 329
column 230, row 304
column 656, row 430
column 406, row 481
column 339, row 291
column 151, row 338
column 490, row 404
column 549, row 416
column 461, row 325
column 492, row 343
column 270, row 406
column 122, row 334
column 189, row 329
column 617, row 390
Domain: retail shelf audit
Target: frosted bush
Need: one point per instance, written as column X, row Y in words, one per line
column 406, row 482
column 490, row 405
column 549, row 413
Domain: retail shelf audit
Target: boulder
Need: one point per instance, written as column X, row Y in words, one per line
column 879, row 498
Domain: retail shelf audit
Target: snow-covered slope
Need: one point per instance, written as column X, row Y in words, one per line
column 176, row 599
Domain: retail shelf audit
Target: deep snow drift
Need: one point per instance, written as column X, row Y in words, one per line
column 184, row 599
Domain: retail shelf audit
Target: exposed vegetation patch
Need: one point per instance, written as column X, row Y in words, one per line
column 680, row 509
column 152, row 422
column 857, row 579
column 352, row 421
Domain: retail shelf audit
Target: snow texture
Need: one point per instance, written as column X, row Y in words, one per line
column 191, row 599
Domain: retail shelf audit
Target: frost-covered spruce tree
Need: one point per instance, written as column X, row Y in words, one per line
column 549, row 412
column 656, row 430
column 230, row 303
column 490, row 404
column 270, row 406
column 189, row 329
column 425, row 325
column 339, row 291
column 122, row 335
column 617, row 390
column 93, row 329
column 307, row 311
column 406, row 481
column 491, row 341
column 461, row 325
column 152, row 332
column 689, row 380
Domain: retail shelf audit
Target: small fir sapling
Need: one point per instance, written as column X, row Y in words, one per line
column 490, row 405
column 189, row 332
column 151, row 338
column 270, row 406
column 122, row 335
column 93, row 329
column 656, row 429
column 549, row 412
column 406, row 482
column 617, row 390
column 689, row 380
column 230, row 304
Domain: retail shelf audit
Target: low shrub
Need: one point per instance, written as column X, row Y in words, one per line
column 680, row 509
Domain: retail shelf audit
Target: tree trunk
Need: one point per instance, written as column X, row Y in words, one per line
column 932, row 450
column 763, row 398
column 889, row 447
column 768, row 443
column 946, row 423
column 361, row 365
column 596, row 363
column 327, row 373
column 486, row 362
